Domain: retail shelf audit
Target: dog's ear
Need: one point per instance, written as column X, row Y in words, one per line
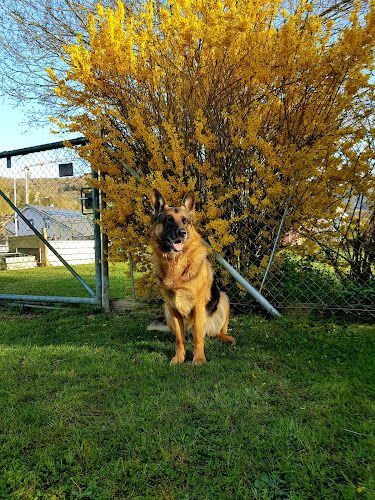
column 157, row 203
column 189, row 202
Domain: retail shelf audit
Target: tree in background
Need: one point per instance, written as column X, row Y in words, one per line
column 32, row 36
column 34, row 32
column 239, row 101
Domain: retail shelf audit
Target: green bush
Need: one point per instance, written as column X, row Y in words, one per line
column 357, row 293
column 299, row 280
column 295, row 281
column 298, row 283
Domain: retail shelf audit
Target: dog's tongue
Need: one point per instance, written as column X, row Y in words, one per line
column 178, row 246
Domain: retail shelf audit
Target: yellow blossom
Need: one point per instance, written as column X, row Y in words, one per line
column 228, row 98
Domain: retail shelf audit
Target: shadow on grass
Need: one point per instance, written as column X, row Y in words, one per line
column 78, row 326
column 92, row 409
column 87, row 327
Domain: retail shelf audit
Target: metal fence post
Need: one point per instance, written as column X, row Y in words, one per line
column 97, row 240
column 132, row 275
column 241, row 280
column 276, row 244
column 104, row 259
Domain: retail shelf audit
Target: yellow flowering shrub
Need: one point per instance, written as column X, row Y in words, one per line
column 234, row 99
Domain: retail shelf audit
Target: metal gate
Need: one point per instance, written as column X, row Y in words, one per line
column 48, row 228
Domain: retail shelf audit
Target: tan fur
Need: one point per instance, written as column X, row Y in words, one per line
column 184, row 279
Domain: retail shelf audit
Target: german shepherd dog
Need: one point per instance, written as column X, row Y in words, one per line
column 192, row 298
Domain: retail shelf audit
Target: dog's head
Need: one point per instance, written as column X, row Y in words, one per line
column 172, row 224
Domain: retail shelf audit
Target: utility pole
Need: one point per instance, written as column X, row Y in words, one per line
column 15, row 204
column 26, row 186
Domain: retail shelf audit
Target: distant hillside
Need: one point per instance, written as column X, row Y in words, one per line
column 63, row 192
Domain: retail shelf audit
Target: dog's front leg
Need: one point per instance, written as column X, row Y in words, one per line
column 178, row 328
column 199, row 316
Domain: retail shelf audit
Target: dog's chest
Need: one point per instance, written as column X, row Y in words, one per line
column 182, row 300
column 177, row 295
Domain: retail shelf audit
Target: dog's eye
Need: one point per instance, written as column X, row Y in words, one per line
column 184, row 220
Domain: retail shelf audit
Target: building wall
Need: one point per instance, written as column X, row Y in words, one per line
column 74, row 252
column 55, row 229
column 34, row 217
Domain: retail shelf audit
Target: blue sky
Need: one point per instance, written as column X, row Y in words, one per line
column 14, row 134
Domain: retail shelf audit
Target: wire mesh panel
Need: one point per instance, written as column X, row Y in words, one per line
column 327, row 269
column 46, row 186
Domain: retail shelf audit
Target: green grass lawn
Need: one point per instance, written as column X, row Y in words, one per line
column 58, row 281
column 91, row 408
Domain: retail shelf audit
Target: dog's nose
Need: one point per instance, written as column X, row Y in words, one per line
column 182, row 233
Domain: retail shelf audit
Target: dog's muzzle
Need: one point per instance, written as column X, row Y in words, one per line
column 176, row 243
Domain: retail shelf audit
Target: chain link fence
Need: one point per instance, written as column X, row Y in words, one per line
column 47, row 246
column 295, row 270
column 327, row 269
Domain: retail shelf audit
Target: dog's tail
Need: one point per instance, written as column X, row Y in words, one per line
column 226, row 338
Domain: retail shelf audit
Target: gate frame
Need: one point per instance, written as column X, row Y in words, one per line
column 100, row 296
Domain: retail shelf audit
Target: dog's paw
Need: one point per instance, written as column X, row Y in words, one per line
column 176, row 359
column 199, row 360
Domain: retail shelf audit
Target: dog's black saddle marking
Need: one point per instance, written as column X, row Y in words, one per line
column 215, row 296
